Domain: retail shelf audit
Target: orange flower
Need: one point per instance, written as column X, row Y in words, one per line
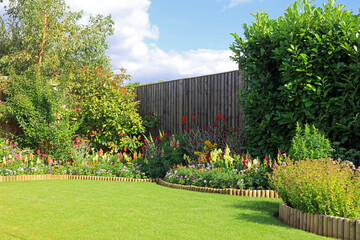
column 219, row 116
column 101, row 153
column 121, row 134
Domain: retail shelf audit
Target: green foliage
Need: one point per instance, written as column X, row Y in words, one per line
column 209, row 176
column 301, row 67
column 44, row 40
column 309, row 143
column 342, row 153
column 36, row 106
column 322, row 187
column 195, row 138
column 108, row 109
column 27, row 24
column 161, row 153
column 151, row 121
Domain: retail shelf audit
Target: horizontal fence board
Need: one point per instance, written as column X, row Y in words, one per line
column 203, row 97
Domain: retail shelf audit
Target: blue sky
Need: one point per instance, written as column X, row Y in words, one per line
column 172, row 39
column 194, row 24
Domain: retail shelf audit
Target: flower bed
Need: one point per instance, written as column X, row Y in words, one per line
column 207, row 175
column 120, row 165
column 68, row 177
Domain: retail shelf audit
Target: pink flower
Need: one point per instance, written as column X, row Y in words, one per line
column 43, row 155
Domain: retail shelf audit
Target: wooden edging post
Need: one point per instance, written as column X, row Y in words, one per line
column 328, row 226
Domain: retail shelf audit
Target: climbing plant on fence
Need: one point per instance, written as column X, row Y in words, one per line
column 303, row 66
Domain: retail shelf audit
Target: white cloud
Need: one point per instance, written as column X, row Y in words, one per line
column 146, row 62
column 134, row 48
column 234, row 3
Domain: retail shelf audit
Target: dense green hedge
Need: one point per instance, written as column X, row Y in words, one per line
column 301, row 67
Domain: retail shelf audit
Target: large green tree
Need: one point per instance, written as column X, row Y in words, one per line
column 301, row 67
column 41, row 43
column 47, row 33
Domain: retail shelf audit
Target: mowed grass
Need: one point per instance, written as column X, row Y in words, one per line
column 79, row 209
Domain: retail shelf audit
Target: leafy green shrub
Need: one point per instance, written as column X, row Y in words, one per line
column 309, row 143
column 319, row 186
column 301, row 67
column 342, row 153
column 151, row 120
column 108, row 109
column 38, row 108
column 161, row 153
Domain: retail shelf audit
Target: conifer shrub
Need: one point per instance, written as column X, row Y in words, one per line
column 309, row 143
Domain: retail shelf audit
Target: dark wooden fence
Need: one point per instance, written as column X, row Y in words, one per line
column 204, row 97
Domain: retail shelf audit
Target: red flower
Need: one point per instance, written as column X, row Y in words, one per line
column 183, row 119
column 267, row 160
column 121, row 134
column 225, row 119
column 219, row 116
column 193, row 116
column 165, row 134
column 125, row 149
column 158, row 137
column 38, row 152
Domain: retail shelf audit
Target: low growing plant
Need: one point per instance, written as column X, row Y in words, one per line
column 322, row 186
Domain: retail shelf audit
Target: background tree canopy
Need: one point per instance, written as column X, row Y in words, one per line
column 44, row 52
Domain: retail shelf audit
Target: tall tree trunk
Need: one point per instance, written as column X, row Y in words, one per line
column 41, row 52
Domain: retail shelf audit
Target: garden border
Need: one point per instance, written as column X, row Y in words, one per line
column 229, row 191
column 69, row 177
column 323, row 225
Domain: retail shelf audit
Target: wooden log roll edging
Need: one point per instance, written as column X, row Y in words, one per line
column 69, row 177
column 323, row 225
column 228, row 191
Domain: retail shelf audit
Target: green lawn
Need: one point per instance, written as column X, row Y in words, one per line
column 77, row 209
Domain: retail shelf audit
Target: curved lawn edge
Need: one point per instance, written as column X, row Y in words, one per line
column 69, row 177
column 323, row 225
column 229, row 191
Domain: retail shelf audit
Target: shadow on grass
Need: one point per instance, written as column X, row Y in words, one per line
column 259, row 211
column 12, row 235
